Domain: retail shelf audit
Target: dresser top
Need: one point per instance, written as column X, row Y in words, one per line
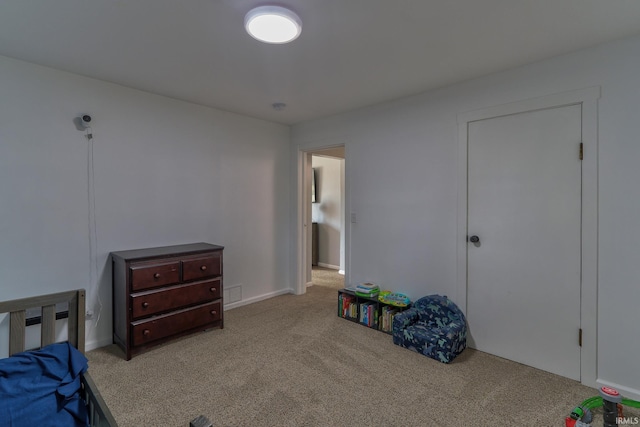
column 190, row 248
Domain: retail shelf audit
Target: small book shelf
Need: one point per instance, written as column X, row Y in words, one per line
column 367, row 311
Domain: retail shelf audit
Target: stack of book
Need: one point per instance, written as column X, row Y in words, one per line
column 368, row 314
column 367, row 290
column 347, row 307
column 386, row 317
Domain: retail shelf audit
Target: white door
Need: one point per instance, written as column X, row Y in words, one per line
column 524, row 205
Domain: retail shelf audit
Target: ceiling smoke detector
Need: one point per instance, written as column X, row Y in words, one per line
column 273, row 24
column 279, row 106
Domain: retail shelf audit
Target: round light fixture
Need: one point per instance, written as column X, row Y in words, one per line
column 273, row 24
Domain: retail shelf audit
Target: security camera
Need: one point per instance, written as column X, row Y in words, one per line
column 82, row 122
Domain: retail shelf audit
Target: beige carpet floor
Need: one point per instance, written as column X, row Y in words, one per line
column 290, row 361
column 327, row 277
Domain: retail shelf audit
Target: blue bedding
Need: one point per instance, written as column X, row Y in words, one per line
column 41, row 388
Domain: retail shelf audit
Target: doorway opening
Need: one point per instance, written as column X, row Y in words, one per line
column 322, row 255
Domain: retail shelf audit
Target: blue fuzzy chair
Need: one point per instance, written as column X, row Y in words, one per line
column 434, row 326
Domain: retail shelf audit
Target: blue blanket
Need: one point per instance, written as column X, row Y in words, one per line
column 41, row 388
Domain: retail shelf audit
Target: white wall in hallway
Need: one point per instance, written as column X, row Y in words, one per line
column 327, row 209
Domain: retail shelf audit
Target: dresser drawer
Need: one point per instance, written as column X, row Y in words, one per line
column 201, row 267
column 152, row 302
column 155, row 328
column 146, row 276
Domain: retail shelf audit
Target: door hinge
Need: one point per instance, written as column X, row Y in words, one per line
column 580, row 337
column 581, row 155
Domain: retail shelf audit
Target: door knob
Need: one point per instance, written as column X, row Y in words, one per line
column 474, row 239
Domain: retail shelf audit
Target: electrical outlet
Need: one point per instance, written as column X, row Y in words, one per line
column 88, row 315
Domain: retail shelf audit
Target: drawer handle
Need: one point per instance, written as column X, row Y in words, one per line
column 203, row 268
column 146, row 332
column 157, row 275
column 213, row 312
column 145, row 304
column 213, row 289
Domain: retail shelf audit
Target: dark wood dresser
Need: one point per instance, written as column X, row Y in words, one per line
column 165, row 292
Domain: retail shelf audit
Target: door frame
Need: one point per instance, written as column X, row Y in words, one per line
column 303, row 216
column 588, row 99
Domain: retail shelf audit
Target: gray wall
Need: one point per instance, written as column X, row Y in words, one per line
column 166, row 172
column 402, row 184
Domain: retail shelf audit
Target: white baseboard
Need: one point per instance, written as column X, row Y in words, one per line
column 331, row 266
column 309, row 284
column 628, row 392
column 256, row 299
column 341, row 272
column 103, row 342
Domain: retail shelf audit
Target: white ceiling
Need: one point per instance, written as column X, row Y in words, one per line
column 352, row 53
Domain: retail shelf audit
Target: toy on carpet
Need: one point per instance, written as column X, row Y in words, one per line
column 580, row 417
column 612, row 404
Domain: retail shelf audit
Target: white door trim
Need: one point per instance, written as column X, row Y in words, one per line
column 303, row 251
column 303, row 215
column 588, row 98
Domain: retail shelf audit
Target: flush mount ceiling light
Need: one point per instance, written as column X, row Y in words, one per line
column 273, row 24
